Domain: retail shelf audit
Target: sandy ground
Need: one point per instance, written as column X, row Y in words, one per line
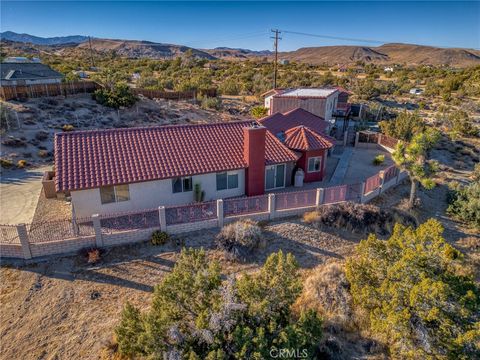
column 66, row 309
column 19, row 192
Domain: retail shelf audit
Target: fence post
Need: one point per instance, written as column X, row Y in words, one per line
column 379, row 139
column 345, row 136
column 271, row 206
column 98, row 230
column 382, row 180
column 162, row 218
column 24, row 241
column 220, row 212
column 357, row 136
column 362, row 192
column 319, row 198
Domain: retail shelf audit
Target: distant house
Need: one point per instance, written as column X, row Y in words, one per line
column 28, row 73
column 319, row 101
column 108, row 171
column 284, row 62
column 388, row 69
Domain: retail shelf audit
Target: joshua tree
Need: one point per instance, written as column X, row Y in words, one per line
column 413, row 158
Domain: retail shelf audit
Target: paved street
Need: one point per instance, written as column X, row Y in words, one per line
column 19, row 191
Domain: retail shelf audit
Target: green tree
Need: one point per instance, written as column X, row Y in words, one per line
column 404, row 126
column 415, row 298
column 196, row 316
column 413, row 158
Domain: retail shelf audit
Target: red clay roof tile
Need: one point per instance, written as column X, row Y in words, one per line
column 278, row 122
column 90, row 159
column 304, row 139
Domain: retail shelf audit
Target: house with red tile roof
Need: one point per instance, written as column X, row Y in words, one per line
column 304, row 133
column 117, row 170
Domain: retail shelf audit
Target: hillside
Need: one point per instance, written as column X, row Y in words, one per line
column 236, row 54
column 142, row 49
column 36, row 40
column 387, row 53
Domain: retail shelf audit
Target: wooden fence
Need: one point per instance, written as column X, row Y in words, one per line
column 175, row 95
column 11, row 92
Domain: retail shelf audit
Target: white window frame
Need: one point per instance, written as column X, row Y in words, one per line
column 275, row 178
column 116, row 199
column 229, row 173
column 320, row 158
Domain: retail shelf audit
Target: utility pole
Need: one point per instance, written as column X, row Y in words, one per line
column 275, row 38
column 91, row 52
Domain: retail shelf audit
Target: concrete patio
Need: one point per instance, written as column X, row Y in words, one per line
column 348, row 165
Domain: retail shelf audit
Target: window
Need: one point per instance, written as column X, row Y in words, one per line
column 314, row 164
column 182, row 184
column 227, row 180
column 111, row 194
column 274, row 176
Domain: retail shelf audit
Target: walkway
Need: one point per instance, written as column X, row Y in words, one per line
column 342, row 167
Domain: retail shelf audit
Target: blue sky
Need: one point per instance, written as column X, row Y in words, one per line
column 247, row 24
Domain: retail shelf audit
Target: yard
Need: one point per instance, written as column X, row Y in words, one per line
column 65, row 308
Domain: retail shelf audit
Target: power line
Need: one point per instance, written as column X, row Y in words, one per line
column 335, row 37
column 276, row 38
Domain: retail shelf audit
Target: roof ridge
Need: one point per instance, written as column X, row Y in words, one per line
column 154, row 127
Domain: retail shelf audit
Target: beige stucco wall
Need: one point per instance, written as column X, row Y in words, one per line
column 152, row 194
column 322, row 107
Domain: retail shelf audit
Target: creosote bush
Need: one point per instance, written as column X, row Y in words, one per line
column 21, row 164
column 159, row 237
column 67, row 127
column 119, row 95
column 240, row 238
column 213, row 103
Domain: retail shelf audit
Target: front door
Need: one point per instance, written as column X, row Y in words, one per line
column 275, row 176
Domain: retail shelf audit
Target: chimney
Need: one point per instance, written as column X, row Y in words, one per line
column 254, row 155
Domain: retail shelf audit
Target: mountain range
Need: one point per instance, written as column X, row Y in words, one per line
column 332, row 55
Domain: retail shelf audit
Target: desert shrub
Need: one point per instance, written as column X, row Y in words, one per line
column 159, row 237
column 211, row 103
column 14, row 142
column 328, row 291
column 358, row 218
column 459, row 123
column 239, row 239
column 416, row 300
column 43, row 153
column 67, row 127
column 476, row 173
column 464, row 203
column 119, row 95
column 404, row 126
column 258, row 111
column 93, row 256
column 196, row 316
column 41, row 135
column 6, row 164
column 378, row 160
column 21, row 163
